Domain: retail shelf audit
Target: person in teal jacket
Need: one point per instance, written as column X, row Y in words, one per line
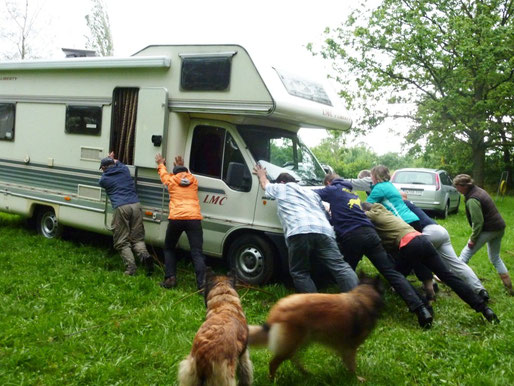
column 385, row 193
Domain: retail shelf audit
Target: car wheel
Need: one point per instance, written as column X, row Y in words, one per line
column 47, row 224
column 456, row 210
column 444, row 213
column 251, row 257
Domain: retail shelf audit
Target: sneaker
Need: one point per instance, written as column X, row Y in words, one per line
column 490, row 315
column 424, row 317
column 484, row 295
column 170, row 282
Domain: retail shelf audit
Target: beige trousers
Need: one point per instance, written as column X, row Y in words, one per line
column 129, row 234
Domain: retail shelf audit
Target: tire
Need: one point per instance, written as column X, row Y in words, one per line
column 47, row 224
column 251, row 258
column 456, row 210
column 446, row 211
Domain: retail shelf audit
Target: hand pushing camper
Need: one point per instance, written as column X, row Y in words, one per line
column 127, row 223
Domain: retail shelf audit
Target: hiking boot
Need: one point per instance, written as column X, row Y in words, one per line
column 424, row 317
column 170, row 282
column 130, row 270
column 490, row 315
column 484, row 295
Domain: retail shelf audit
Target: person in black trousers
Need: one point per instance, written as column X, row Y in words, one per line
column 412, row 248
column 357, row 236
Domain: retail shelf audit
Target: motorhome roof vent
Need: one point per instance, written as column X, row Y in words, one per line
column 75, row 53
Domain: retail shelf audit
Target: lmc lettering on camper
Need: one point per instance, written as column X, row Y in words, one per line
column 215, row 200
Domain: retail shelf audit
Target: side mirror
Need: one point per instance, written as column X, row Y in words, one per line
column 238, row 177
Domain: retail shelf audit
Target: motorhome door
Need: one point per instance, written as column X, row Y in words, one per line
column 151, row 123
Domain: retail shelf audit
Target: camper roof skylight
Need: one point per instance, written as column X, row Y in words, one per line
column 304, row 88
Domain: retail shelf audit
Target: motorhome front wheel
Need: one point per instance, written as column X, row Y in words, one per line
column 251, row 257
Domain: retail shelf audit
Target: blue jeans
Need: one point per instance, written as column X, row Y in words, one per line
column 322, row 249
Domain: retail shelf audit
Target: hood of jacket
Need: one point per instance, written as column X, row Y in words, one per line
column 340, row 182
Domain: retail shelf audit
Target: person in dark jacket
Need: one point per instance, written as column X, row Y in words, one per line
column 127, row 222
column 357, row 236
column 487, row 224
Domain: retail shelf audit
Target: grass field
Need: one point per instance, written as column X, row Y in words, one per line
column 70, row 316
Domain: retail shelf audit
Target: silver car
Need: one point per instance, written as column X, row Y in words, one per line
column 429, row 189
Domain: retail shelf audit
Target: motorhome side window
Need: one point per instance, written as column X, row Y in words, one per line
column 7, row 121
column 83, row 120
column 205, row 73
column 214, row 153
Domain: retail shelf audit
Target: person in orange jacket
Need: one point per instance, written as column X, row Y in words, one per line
column 184, row 216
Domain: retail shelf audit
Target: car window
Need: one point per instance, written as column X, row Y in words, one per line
column 445, row 179
column 414, row 177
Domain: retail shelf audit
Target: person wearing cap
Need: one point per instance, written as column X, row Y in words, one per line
column 184, row 216
column 307, row 232
column 487, row 226
column 127, row 222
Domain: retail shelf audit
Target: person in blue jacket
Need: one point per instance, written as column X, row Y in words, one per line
column 356, row 236
column 385, row 193
column 128, row 230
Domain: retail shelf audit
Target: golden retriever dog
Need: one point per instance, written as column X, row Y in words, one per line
column 220, row 346
column 341, row 321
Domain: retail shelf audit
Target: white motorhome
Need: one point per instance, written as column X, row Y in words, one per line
column 207, row 103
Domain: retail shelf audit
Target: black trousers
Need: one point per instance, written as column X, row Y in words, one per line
column 365, row 241
column 194, row 232
column 420, row 249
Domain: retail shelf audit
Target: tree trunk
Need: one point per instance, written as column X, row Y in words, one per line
column 507, row 159
column 478, row 162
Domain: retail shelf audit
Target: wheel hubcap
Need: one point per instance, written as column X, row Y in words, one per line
column 251, row 261
column 49, row 225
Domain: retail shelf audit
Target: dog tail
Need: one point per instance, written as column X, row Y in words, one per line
column 188, row 373
column 258, row 335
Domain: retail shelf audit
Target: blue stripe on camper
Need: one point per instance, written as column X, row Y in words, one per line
column 35, row 178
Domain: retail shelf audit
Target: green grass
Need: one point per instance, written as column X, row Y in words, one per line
column 69, row 316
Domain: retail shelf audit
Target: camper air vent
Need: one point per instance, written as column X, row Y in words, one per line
column 206, row 72
column 90, row 192
column 90, row 153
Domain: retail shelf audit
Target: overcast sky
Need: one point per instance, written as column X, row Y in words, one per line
column 274, row 31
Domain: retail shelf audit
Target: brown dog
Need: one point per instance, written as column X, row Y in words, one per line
column 220, row 345
column 341, row 321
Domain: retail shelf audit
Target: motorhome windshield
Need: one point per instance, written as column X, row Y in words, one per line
column 282, row 151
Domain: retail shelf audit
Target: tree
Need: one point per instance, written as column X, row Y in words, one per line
column 453, row 59
column 19, row 29
column 100, row 38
